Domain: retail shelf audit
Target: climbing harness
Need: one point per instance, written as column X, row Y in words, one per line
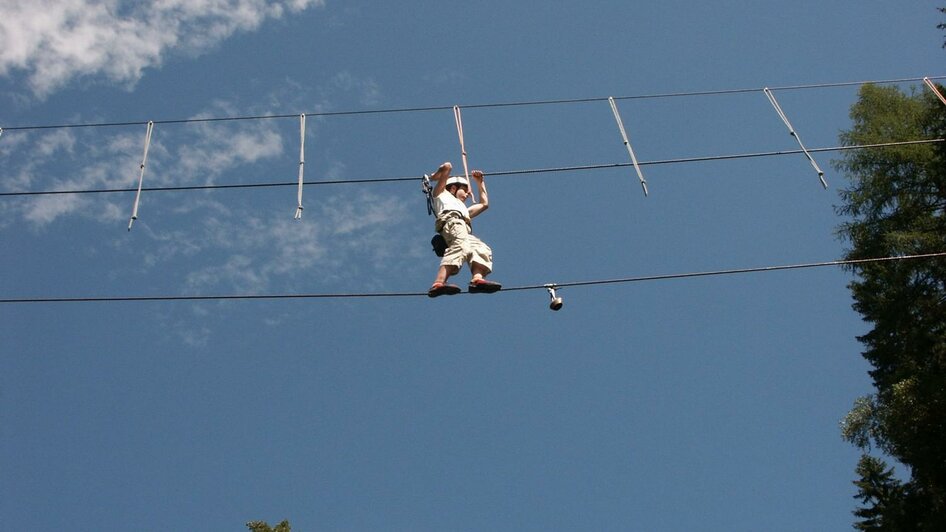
column 438, row 243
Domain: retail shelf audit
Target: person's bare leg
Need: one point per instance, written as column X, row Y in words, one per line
column 479, row 282
column 479, row 271
column 445, row 272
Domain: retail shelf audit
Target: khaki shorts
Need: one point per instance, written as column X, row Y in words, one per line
column 462, row 246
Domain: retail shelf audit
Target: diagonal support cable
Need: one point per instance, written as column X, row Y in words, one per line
column 935, row 90
column 627, row 143
column 299, row 208
column 141, row 175
column 458, row 118
column 791, row 131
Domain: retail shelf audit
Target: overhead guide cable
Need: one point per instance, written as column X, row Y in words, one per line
column 468, row 106
column 573, row 168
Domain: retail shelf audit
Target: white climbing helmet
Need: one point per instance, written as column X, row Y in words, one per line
column 457, row 180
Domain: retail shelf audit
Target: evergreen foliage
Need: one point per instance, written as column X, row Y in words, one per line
column 942, row 25
column 262, row 526
column 895, row 205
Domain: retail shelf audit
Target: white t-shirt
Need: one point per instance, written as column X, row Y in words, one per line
column 448, row 202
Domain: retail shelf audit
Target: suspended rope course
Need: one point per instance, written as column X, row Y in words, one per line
column 552, row 288
column 300, row 183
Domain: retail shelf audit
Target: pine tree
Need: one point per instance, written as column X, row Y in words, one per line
column 896, row 205
column 262, row 526
column 882, row 495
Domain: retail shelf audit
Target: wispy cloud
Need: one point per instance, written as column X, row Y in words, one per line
column 339, row 239
column 56, row 41
column 88, row 160
column 213, row 150
column 213, row 241
column 367, row 88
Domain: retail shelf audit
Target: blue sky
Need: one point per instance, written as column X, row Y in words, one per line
column 710, row 403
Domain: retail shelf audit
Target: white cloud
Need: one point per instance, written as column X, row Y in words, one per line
column 368, row 89
column 211, row 241
column 45, row 209
column 81, row 160
column 55, row 41
column 217, row 149
column 341, row 237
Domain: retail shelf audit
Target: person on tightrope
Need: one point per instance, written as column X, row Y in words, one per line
column 454, row 225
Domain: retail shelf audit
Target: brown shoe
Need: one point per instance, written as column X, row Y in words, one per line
column 442, row 289
column 482, row 286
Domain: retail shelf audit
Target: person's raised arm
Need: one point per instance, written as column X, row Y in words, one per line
column 440, row 176
column 483, row 204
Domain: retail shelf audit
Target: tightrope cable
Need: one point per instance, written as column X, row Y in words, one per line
column 715, row 273
column 544, row 286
